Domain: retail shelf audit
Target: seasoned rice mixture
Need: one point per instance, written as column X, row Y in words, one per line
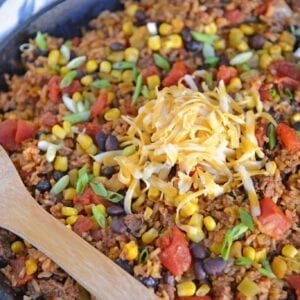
column 168, row 137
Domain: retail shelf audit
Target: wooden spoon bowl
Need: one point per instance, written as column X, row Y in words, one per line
column 21, row 214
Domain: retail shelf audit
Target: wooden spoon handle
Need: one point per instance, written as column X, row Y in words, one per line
column 69, row 251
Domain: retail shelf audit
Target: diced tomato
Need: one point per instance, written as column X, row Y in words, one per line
column 89, row 197
column 48, row 119
column 129, row 108
column 18, row 266
column 151, row 70
column 294, row 282
column 75, row 86
column 265, row 93
column 282, row 68
column 273, row 221
column 288, row 137
column 226, row 73
column 178, row 70
column 262, row 8
column 83, row 224
column 194, row 298
column 175, row 255
column 92, row 129
column 8, row 129
column 234, row 16
column 25, row 130
column 287, row 82
column 260, row 133
column 98, row 107
column 54, row 92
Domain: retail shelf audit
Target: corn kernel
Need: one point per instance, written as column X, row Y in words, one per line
column 234, row 85
column 288, row 38
column 77, row 97
column 279, row 267
column 203, row 290
column 216, row 247
column 186, row 288
column 102, row 208
column 247, row 29
column 84, row 140
column 91, row 66
column 149, row 236
column 174, row 42
column 165, row 29
column 112, row 114
column 289, row 251
column 211, row 28
column 242, row 46
column 153, row 81
column 152, row 94
column 153, row 193
column 154, row 42
column 264, row 60
column 189, row 209
column 105, row 66
column 275, row 50
column 17, row 247
column 148, row 213
column 127, row 76
column 286, row 47
column 177, row 25
column 260, row 255
column 195, row 234
column 61, row 163
column 131, row 251
column 59, row 131
column 92, row 149
column 127, row 28
column 73, row 176
column 235, row 37
column 63, row 70
column 67, row 127
column 116, row 56
column 116, row 76
column 87, row 80
column 132, row 9
column 111, row 96
column 96, row 168
column 69, row 211
column 131, row 54
column 71, row 220
column 220, row 44
column 209, row 223
column 53, row 57
column 295, row 118
column 30, row 266
column 69, row 193
column 271, row 167
column 196, row 220
column 249, row 252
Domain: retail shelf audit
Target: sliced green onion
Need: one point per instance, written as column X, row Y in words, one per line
column 60, row 185
column 51, row 152
column 101, row 83
column 83, row 180
column 208, row 78
column 243, row 261
column 41, row 41
column 128, row 150
column 266, row 269
column 77, row 117
column 212, row 61
column 245, row 67
column 246, row 219
column 135, row 73
column 76, row 62
column 123, row 65
column 99, row 216
column 65, row 51
column 138, row 88
column 288, row 93
column 161, row 62
column 202, row 37
column 100, row 190
column 271, row 132
column 241, row 58
column 145, row 91
column 68, row 79
column 143, row 257
column 208, row 51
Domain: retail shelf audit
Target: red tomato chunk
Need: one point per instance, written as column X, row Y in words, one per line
column 226, row 73
column 288, row 137
column 83, row 224
column 178, row 70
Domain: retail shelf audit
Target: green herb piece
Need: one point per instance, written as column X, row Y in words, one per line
column 68, row 79
column 123, row 65
column 246, row 219
column 231, row 235
column 101, row 83
column 143, row 257
column 266, row 269
column 161, row 62
column 294, row 30
column 76, row 62
column 128, row 150
column 99, row 216
column 245, row 67
column 271, row 132
column 273, row 93
column 65, row 51
column 288, row 93
column 202, row 37
column 100, row 190
column 138, row 88
column 77, row 117
column 241, row 58
column 145, row 91
column 135, row 73
column 212, row 61
column 60, row 185
column 83, row 180
column 208, row 51
column 208, row 78
column 41, row 41
column 243, row 261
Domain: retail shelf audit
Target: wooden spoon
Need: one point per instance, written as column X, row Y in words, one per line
column 21, row 214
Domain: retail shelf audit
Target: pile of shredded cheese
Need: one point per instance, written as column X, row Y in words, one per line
column 208, row 137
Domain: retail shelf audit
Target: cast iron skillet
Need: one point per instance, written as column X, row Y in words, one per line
column 65, row 18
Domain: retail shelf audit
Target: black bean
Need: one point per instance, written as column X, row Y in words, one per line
column 117, row 225
column 42, row 52
column 169, row 279
column 117, row 46
column 43, row 186
column 57, row 175
column 297, row 126
column 124, row 264
column 150, row 282
column 193, row 46
column 257, row 41
column 115, row 210
column 6, row 291
column 108, row 171
column 214, row 266
column 186, row 34
column 3, row 262
column 140, row 18
column 199, row 270
column 101, row 137
column 111, row 143
column 199, row 251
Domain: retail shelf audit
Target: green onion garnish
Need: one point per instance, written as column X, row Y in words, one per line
column 266, row 269
column 41, row 41
column 288, row 93
column 128, row 150
column 99, row 216
column 143, row 257
column 241, row 58
column 100, row 190
column 208, row 78
column 245, row 67
column 231, row 235
column 212, row 61
column 60, row 185
column 68, row 79
column 145, row 91
column 101, row 83
column 202, row 37
column 138, row 88
column 208, row 51
column 77, row 117
column 243, row 261
column 83, row 180
column 123, row 65
column 135, row 73
column 246, row 219
column 76, row 62
column 65, row 51
column 161, row 62
column 271, row 132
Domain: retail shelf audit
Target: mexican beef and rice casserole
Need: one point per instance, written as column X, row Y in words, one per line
column 167, row 136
